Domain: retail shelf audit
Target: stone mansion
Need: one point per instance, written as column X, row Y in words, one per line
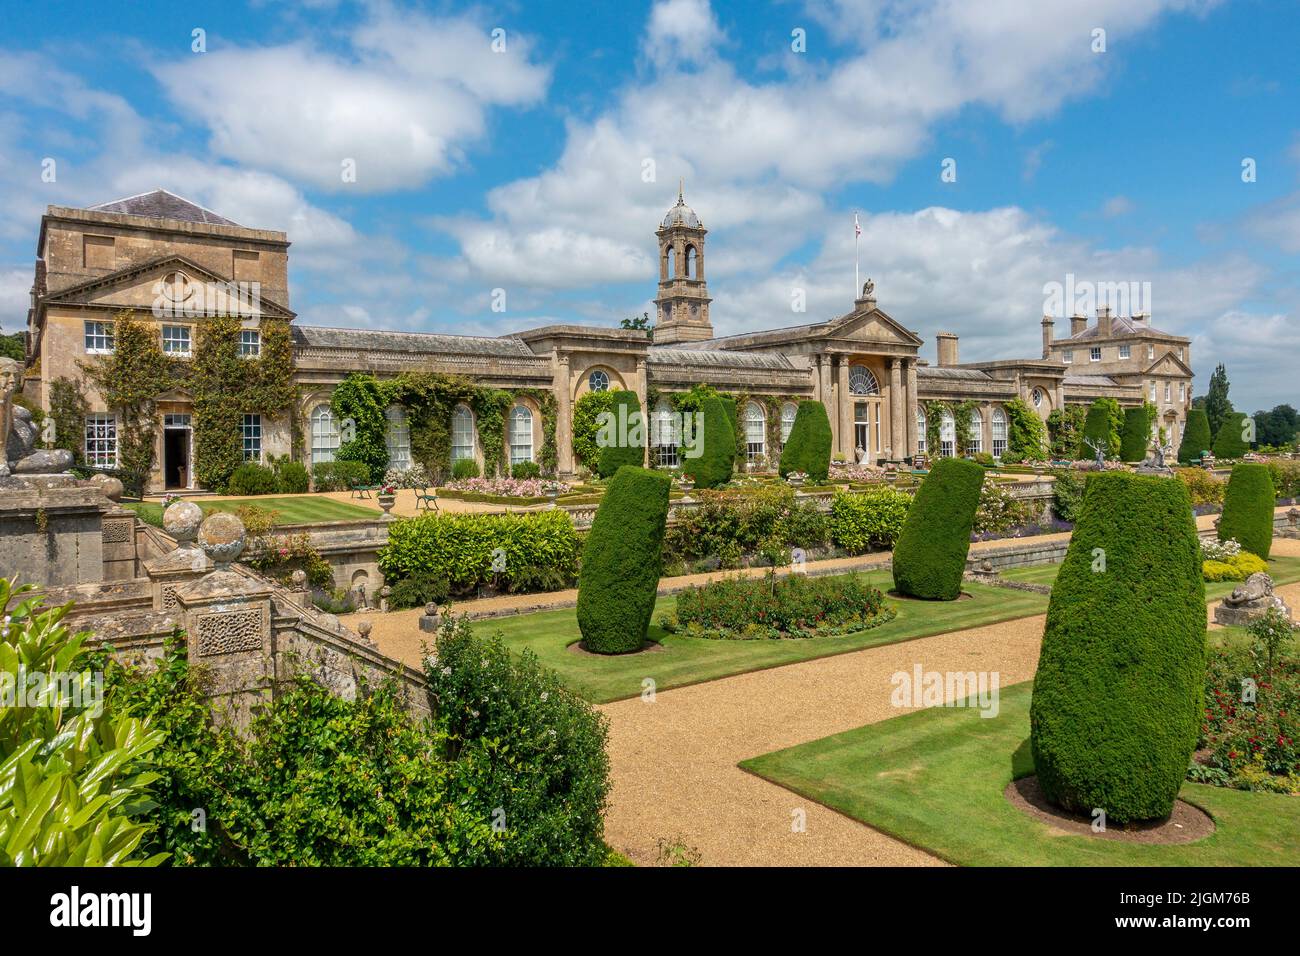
column 864, row 365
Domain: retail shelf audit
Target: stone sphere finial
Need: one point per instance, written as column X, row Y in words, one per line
column 110, row 486
column 299, row 579
column 221, row 535
column 181, row 520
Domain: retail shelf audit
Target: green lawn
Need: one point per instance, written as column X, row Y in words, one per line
column 935, row 779
column 687, row 660
column 307, row 509
column 1284, row 570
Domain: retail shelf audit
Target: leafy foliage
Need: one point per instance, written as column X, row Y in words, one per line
column 1067, row 494
column 1216, row 403
column 1136, row 434
column 1064, row 428
column 930, row 556
column 1230, row 439
column 68, row 409
column 808, row 448
column 251, row 478
column 729, row 524
column 622, row 560
column 587, row 412
column 1248, row 508
column 627, row 446
column 1117, row 694
column 1196, row 436
column 717, row 456
column 359, row 404
column 1026, row 433
column 862, row 520
column 1102, row 426
column 339, row 475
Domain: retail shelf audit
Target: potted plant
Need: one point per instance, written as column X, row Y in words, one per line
column 797, row 478
column 387, row 496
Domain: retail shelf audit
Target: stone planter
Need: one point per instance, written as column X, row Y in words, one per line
column 386, row 502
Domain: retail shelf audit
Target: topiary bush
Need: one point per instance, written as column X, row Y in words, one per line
column 1248, row 508
column 1119, row 688
column 1196, row 436
column 621, row 437
column 1136, row 434
column 930, row 556
column 339, row 475
column 1230, row 442
column 1096, row 428
column 291, row 477
column 251, row 478
column 869, row 519
column 717, row 447
column 621, row 561
column 809, row 447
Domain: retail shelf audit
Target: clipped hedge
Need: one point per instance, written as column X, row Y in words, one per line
column 339, row 475
column 1229, row 443
column 1095, row 427
column 809, row 447
column 461, row 547
column 870, row 519
column 621, row 440
column 621, row 561
column 1118, row 692
column 717, row 446
column 1136, row 435
column 1248, row 508
column 1196, row 436
column 250, row 478
column 930, row 556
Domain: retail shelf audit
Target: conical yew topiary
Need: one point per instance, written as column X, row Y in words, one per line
column 709, row 463
column 1121, row 677
column 1248, row 508
column 930, row 556
column 808, row 448
column 1196, row 436
column 1231, row 441
column 1136, row 435
column 621, row 436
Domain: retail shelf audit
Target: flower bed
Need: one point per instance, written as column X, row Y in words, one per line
column 538, row 488
column 777, row 606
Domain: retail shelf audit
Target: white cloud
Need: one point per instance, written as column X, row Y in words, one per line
column 1117, row 206
column 681, row 31
column 411, row 93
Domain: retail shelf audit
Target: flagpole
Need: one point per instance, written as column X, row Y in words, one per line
column 857, row 235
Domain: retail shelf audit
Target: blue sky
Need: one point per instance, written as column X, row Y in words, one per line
column 524, row 169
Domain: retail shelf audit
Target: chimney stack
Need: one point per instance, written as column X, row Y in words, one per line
column 1077, row 324
column 1141, row 318
column 1103, row 321
column 946, row 345
column 1048, row 326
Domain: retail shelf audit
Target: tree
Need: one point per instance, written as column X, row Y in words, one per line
column 13, row 346
column 1248, row 508
column 1217, row 405
column 1277, row 427
column 1137, row 434
column 930, row 556
column 1120, row 684
column 622, row 560
column 1097, row 429
column 808, row 448
column 639, row 322
column 621, row 436
column 1231, row 439
column 1196, row 436
column 717, row 447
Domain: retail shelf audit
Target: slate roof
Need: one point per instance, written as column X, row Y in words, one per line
column 1120, row 326
column 952, row 374
column 1093, row 381
column 375, row 340
column 160, row 204
column 717, row 358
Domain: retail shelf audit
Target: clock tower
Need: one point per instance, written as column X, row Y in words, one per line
column 682, row 306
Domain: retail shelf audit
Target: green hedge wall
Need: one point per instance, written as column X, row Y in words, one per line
column 622, row 441
column 1196, row 436
column 869, row 519
column 930, row 556
column 460, row 547
column 1248, row 508
column 1228, row 443
column 1096, row 427
column 1136, row 435
column 712, row 467
column 621, row 561
column 1121, row 677
column 808, row 448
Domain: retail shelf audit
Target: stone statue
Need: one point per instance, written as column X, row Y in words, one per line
column 1250, row 600
column 1098, row 449
column 18, row 432
column 868, row 289
column 1155, row 463
column 10, row 376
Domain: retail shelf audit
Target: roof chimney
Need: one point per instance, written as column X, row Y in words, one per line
column 1103, row 321
column 1077, row 324
column 1141, row 318
column 946, row 345
column 1048, row 325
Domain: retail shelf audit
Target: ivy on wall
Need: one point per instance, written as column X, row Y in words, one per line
column 1064, row 427
column 68, row 409
column 586, row 423
column 692, row 400
column 960, row 412
column 1026, row 434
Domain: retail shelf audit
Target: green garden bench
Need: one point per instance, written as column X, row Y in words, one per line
column 362, row 491
column 426, row 499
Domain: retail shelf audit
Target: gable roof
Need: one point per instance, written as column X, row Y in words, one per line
column 317, row 336
column 1122, row 327
column 161, row 204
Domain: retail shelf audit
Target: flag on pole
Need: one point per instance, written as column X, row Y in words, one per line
column 857, row 229
column 857, row 234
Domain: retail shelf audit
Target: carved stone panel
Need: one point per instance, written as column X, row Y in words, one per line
column 229, row 632
column 118, row 532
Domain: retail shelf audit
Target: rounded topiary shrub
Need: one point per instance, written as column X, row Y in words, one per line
column 620, row 436
column 809, row 447
column 1196, row 436
column 621, row 561
column 930, row 556
column 1230, row 442
column 1121, row 677
column 1096, row 428
column 1136, row 434
column 716, row 445
column 1248, row 508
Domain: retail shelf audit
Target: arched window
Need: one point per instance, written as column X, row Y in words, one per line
column 999, row 431
column 921, row 426
column 755, row 431
column 598, row 381
column 398, row 438
column 462, row 433
column 788, row 412
column 324, row 435
column 670, row 254
column 663, row 435
column 691, row 263
column 521, row 434
column 862, row 382
column 947, row 435
column 975, row 435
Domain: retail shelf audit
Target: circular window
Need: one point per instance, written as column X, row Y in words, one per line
column 598, row 381
column 1038, row 397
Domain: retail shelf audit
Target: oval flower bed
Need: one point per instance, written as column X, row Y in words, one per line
column 773, row 606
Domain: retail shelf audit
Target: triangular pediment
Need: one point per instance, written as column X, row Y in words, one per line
column 1168, row 364
column 873, row 326
column 174, row 282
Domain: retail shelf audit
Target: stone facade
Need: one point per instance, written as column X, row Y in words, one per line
column 864, row 365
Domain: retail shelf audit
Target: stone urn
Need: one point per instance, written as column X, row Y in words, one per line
column 182, row 520
column 221, row 536
column 386, row 501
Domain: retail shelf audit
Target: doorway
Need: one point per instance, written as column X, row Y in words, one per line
column 176, row 451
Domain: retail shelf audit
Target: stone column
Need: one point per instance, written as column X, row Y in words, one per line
column 844, row 409
column 897, row 442
column 910, row 413
column 826, row 396
column 642, row 382
column 986, row 427
column 563, row 414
